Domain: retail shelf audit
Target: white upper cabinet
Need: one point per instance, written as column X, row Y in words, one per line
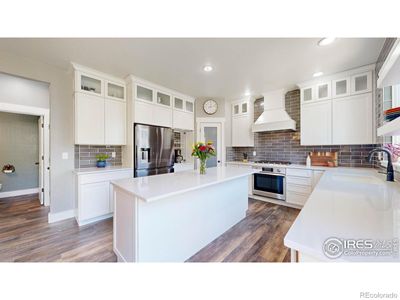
column 100, row 108
column 361, row 83
column 352, row 120
column 316, row 123
column 344, row 116
column 341, row 87
column 163, row 99
column 242, row 120
column 89, row 84
column 115, row 91
column 307, row 94
column 89, row 119
column 144, row 93
column 323, row 91
column 156, row 105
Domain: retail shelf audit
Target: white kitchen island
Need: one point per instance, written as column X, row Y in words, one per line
column 170, row 217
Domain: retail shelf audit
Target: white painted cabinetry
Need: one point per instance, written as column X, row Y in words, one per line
column 155, row 105
column 89, row 119
column 352, row 120
column 299, row 184
column 338, row 109
column 316, row 123
column 242, row 120
column 99, row 108
column 94, row 199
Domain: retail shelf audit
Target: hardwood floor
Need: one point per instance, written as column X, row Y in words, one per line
column 25, row 236
column 257, row 238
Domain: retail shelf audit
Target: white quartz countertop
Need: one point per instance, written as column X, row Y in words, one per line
column 292, row 166
column 157, row 187
column 82, row 171
column 347, row 204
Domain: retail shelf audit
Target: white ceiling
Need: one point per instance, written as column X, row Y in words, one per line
column 240, row 65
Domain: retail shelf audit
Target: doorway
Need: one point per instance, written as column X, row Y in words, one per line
column 212, row 129
column 41, row 161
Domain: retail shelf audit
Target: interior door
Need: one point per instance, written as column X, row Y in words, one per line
column 41, row 159
column 212, row 132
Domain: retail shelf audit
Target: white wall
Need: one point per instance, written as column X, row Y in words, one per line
column 61, row 120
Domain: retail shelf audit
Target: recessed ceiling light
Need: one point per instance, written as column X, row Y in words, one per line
column 247, row 93
column 326, row 41
column 317, row 74
column 207, row 68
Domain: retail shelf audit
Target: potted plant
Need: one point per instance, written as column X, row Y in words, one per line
column 203, row 151
column 101, row 160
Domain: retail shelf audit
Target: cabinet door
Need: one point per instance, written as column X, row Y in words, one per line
column 89, row 119
column 307, row 94
column 352, row 120
column 115, row 91
column 341, row 87
column 361, row 83
column 163, row 99
column 144, row 93
column 183, row 120
column 244, row 107
column 316, row 123
column 189, row 106
column 323, row 91
column 94, row 200
column 242, row 136
column 178, row 103
column 235, row 109
column 115, row 122
column 88, row 84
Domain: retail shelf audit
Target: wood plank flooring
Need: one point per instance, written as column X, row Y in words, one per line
column 257, row 238
column 25, row 236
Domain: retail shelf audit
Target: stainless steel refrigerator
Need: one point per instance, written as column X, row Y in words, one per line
column 154, row 150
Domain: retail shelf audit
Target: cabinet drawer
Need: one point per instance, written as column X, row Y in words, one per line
column 106, row 176
column 305, row 181
column 306, row 190
column 299, row 172
column 296, row 198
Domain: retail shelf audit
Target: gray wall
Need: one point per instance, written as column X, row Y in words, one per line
column 19, row 136
column 61, row 122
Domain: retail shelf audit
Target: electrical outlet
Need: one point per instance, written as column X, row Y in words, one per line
column 113, row 154
column 65, row 155
column 254, row 153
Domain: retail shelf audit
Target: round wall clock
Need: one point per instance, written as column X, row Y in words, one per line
column 210, row 107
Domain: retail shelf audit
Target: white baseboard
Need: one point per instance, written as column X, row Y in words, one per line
column 62, row 215
column 19, row 193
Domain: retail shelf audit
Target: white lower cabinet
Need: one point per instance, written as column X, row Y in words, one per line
column 316, row 123
column 94, row 199
column 300, row 184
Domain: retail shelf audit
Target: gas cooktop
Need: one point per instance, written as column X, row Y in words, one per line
column 273, row 162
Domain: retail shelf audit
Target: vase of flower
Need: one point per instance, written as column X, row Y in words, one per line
column 203, row 151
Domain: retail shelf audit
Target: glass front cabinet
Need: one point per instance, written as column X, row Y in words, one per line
column 89, row 84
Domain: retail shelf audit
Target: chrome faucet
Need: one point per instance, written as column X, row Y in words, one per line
column 389, row 171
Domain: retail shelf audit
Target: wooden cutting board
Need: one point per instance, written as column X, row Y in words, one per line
column 326, row 159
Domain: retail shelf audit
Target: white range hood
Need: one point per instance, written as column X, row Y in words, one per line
column 274, row 116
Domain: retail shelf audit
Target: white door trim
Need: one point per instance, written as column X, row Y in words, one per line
column 36, row 111
column 221, row 121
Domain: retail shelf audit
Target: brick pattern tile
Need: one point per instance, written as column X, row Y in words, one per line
column 85, row 155
column 285, row 145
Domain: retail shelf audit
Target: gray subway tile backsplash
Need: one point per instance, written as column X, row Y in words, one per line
column 285, row 145
column 85, row 155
